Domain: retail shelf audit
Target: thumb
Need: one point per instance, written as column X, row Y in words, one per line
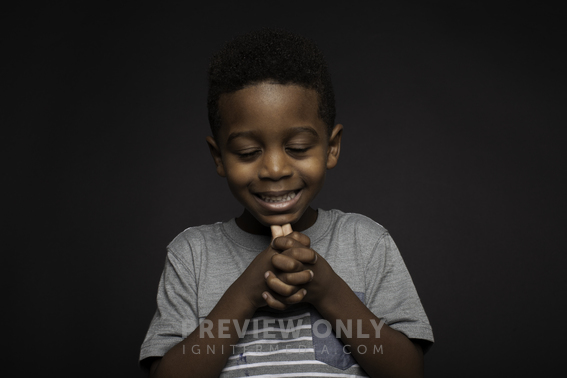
column 286, row 229
column 276, row 231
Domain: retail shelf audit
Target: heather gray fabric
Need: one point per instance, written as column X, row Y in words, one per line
column 202, row 262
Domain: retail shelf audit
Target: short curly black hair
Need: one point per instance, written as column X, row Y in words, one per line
column 274, row 55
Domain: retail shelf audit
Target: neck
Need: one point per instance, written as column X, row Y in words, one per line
column 247, row 222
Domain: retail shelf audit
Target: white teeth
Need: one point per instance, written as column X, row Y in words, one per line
column 287, row 197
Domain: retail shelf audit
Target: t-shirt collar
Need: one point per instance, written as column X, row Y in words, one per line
column 260, row 242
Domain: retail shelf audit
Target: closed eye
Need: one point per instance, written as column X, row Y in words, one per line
column 248, row 154
column 298, row 150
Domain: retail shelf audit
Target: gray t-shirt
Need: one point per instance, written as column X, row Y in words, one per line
column 202, row 262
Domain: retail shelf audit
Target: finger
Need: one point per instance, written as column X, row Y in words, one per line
column 302, row 238
column 296, row 298
column 286, row 229
column 303, row 255
column 285, row 242
column 286, row 263
column 276, row 231
column 281, row 303
column 297, row 278
column 272, row 302
column 278, row 286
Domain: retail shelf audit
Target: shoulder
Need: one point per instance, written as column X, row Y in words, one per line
column 194, row 239
column 360, row 226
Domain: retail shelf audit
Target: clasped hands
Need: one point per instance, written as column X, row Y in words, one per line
column 294, row 263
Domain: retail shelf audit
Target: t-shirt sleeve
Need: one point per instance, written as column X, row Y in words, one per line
column 391, row 294
column 176, row 315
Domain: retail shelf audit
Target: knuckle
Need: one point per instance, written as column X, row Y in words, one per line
column 296, row 298
column 296, row 235
column 297, row 253
column 283, row 288
column 294, row 252
column 288, row 262
column 279, row 243
column 291, row 300
column 286, row 278
column 302, row 238
column 295, row 265
column 288, row 291
column 276, row 243
column 289, row 243
column 302, row 255
column 284, row 262
column 272, row 302
column 273, row 282
column 275, row 258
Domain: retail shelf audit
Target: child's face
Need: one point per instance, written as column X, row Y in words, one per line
column 274, row 150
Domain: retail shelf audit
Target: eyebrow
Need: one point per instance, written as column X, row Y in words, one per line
column 293, row 130
column 240, row 134
column 304, row 129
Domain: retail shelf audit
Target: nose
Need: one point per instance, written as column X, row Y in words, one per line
column 275, row 165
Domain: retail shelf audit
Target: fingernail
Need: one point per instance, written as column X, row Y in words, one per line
column 266, row 275
column 265, row 296
column 312, row 274
column 304, row 292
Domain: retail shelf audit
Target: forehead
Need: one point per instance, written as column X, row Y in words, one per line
column 269, row 107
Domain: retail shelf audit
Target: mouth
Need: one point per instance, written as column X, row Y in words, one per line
column 277, row 197
column 278, row 201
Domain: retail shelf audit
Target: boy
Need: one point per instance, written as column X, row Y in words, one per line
column 284, row 289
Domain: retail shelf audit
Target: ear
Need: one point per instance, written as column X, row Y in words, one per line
column 216, row 154
column 334, row 148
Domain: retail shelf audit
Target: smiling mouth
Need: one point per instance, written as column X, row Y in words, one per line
column 279, row 198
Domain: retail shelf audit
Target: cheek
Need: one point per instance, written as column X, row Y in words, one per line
column 313, row 171
column 239, row 175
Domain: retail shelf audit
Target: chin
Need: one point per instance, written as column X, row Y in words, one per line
column 278, row 220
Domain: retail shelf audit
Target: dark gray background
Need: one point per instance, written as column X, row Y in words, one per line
column 453, row 115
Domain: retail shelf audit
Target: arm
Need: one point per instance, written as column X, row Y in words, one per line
column 190, row 357
column 203, row 353
column 337, row 303
column 400, row 358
